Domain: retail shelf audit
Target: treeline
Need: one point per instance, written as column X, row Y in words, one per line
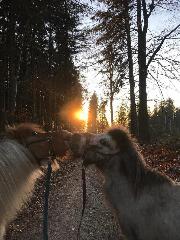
column 164, row 119
column 38, row 77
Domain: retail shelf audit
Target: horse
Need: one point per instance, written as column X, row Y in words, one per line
column 24, row 150
column 145, row 201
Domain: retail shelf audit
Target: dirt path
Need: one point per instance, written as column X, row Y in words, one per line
column 66, row 202
column 65, row 209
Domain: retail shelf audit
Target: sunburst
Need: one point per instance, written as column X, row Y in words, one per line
column 81, row 115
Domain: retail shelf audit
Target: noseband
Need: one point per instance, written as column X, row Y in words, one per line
column 51, row 152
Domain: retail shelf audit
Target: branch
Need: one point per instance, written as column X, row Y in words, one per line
column 157, row 85
column 160, row 45
column 151, row 8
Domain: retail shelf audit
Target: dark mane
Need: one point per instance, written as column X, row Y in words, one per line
column 132, row 164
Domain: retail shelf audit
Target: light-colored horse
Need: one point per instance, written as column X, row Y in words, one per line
column 147, row 203
column 23, row 150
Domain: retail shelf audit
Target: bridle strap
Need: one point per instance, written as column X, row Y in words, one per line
column 84, row 200
column 47, row 139
column 46, row 202
column 37, row 141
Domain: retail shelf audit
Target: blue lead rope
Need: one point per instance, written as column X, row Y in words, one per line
column 84, row 200
column 46, row 202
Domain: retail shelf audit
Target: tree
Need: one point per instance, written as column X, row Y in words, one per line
column 123, row 115
column 102, row 119
column 133, row 111
column 177, row 119
column 165, row 119
column 132, row 19
column 111, row 45
column 38, row 45
column 117, row 31
column 92, row 114
column 144, row 12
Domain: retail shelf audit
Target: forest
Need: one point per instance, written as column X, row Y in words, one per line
column 87, row 66
column 47, row 47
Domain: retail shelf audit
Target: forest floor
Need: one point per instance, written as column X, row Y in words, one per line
column 65, row 202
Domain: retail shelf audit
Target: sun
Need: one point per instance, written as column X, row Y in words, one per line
column 81, row 115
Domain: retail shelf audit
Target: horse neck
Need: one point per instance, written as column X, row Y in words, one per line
column 18, row 158
column 115, row 182
column 125, row 173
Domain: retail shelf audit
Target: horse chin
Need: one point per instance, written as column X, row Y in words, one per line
column 92, row 158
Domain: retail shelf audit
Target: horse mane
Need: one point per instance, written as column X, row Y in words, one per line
column 18, row 173
column 22, row 131
column 132, row 163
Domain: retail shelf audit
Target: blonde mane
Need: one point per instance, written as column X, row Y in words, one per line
column 18, row 172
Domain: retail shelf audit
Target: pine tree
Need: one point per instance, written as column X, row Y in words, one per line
column 102, row 119
column 38, row 45
column 92, row 114
column 114, row 37
column 123, row 115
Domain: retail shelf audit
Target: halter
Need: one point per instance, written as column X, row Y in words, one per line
column 51, row 153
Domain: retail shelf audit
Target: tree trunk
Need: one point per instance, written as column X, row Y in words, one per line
column 133, row 111
column 2, row 94
column 3, row 72
column 12, row 67
column 143, row 118
column 111, row 100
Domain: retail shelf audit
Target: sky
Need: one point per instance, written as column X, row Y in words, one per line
column 169, row 87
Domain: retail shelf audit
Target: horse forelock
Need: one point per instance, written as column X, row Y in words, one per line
column 123, row 139
column 23, row 130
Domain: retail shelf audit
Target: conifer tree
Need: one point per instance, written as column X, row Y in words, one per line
column 39, row 40
column 102, row 119
column 92, row 114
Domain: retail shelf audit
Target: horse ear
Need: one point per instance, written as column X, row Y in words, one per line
column 10, row 131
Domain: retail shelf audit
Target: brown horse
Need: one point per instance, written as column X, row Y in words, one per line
column 147, row 203
column 24, row 149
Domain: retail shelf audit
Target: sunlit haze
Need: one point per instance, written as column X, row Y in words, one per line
column 82, row 114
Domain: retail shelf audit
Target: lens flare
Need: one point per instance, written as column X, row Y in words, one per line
column 81, row 115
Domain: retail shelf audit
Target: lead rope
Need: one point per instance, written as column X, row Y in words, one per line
column 46, row 201
column 84, row 200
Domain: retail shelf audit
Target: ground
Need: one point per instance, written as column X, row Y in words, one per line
column 65, row 202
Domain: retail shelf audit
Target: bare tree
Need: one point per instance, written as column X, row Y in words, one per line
column 144, row 12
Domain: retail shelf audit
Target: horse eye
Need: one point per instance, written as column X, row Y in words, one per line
column 104, row 142
column 34, row 133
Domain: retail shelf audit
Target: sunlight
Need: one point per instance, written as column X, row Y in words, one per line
column 81, row 115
